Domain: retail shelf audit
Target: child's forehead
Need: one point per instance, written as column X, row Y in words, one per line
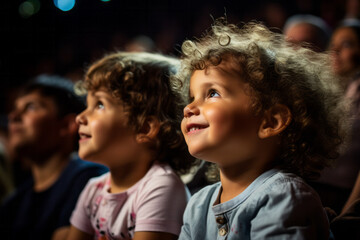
column 227, row 82
column 100, row 93
column 224, row 71
column 228, row 63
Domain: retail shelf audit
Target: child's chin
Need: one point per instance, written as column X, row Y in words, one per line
column 85, row 156
column 197, row 153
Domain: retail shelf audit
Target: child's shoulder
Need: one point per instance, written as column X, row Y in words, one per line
column 160, row 169
column 287, row 199
column 99, row 181
column 284, row 180
column 285, row 185
column 271, row 183
column 160, row 176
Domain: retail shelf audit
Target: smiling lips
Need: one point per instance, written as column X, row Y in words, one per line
column 194, row 128
column 83, row 136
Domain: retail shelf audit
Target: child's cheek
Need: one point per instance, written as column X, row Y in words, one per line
column 220, row 123
column 183, row 127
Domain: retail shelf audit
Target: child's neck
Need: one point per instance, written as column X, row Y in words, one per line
column 124, row 177
column 234, row 181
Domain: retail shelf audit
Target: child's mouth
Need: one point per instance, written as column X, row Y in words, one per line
column 193, row 128
column 83, row 137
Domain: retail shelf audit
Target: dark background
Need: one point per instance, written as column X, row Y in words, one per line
column 64, row 43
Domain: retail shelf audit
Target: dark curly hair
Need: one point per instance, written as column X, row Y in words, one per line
column 60, row 89
column 142, row 83
column 279, row 72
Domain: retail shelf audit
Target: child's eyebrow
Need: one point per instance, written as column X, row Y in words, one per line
column 213, row 84
column 106, row 96
column 102, row 94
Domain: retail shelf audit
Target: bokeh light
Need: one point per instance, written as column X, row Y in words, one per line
column 29, row 8
column 64, row 5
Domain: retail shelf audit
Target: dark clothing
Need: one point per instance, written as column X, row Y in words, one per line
column 347, row 225
column 36, row 215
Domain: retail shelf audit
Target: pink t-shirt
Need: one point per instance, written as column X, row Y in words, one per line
column 155, row 203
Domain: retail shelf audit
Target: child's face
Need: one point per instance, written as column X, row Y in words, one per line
column 104, row 134
column 218, row 124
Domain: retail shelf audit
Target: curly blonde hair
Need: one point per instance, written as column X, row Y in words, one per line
column 142, row 83
column 279, row 72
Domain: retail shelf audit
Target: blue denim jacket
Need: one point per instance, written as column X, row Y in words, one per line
column 276, row 205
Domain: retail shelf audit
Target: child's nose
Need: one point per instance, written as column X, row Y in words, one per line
column 191, row 109
column 80, row 118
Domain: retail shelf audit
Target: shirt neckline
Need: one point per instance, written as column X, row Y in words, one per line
column 233, row 203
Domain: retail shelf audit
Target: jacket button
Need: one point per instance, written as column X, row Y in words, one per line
column 221, row 220
column 222, row 232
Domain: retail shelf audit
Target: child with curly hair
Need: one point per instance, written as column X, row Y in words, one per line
column 267, row 113
column 132, row 125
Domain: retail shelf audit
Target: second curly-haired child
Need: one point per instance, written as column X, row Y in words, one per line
column 132, row 125
column 268, row 114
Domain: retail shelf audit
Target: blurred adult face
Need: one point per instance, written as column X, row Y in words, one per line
column 345, row 49
column 34, row 125
column 305, row 33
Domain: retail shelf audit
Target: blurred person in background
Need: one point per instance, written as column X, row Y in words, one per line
column 352, row 9
column 345, row 48
column 140, row 43
column 43, row 132
column 308, row 29
column 336, row 183
column 6, row 181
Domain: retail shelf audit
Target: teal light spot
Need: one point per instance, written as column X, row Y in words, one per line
column 64, row 5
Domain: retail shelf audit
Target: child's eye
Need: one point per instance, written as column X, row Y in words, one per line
column 213, row 93
column 100, row 105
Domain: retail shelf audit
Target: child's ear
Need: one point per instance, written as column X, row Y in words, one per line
column 275, row 120
column 148, row 131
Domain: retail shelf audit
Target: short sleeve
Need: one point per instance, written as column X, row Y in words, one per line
column 290, row 211
column 185, row 229
column 161, row 204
